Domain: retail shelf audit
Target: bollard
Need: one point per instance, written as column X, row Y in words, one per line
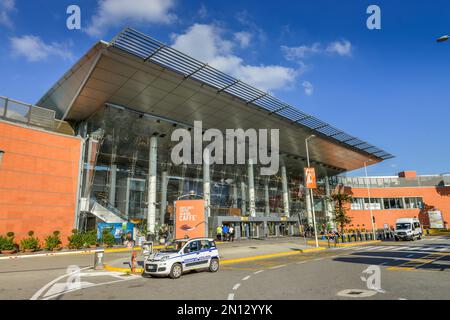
column 98, row 260
column 133, row 261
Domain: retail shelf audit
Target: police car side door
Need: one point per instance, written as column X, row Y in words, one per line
column 191, row 253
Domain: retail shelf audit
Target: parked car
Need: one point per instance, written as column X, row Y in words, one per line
column 408, row 229
column 183, row 255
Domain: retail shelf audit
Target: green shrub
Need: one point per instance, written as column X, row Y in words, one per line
column 76, row 240
column 52, row 241
column 108, row 238
column 90, row 238
column 2, row 241
column 30, row 243
column 8, row 242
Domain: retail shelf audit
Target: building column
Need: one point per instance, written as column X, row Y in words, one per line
column 328, row 203
column 163, row 206
column 181, row 181
column 235, row 195
column 266, row 199
column 244, row 198
column 285, row 191
column 112, row 184
column 251, row 189
column 207, row 183
column 151, row 211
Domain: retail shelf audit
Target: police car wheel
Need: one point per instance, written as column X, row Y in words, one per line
column 176, row 271
column 214, row 265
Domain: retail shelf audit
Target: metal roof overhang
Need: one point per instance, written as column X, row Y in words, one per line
column 138, row 72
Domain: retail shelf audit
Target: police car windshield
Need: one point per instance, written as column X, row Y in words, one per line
column 403, row 226
column 173, row 246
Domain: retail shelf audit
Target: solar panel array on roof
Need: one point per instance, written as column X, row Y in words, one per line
column 148, row 49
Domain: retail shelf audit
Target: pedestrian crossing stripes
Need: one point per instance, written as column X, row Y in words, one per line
column 412, row 248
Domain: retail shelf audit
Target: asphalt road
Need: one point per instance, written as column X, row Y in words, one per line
column 408, row 270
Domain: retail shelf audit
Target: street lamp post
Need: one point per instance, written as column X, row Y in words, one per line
column 370, row 200
column 311, row 192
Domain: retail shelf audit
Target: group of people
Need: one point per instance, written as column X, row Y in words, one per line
column 225, row 233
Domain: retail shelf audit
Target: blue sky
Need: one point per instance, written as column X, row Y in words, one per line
column 389, row 87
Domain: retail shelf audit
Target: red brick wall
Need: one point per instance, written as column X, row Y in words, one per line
column 433, row 197
column 38, row 181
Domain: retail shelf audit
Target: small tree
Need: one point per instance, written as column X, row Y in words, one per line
column 341, row 199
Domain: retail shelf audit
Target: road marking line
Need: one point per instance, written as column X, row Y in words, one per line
column 246, row 278
column 259, row 271
column 231, row 296
column 280, row 266
column 318, row 259
column 236, row 286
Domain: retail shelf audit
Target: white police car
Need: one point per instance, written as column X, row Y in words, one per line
column 183, row 255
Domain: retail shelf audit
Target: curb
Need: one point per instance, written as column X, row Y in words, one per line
column 350, row 244
column 230, row 261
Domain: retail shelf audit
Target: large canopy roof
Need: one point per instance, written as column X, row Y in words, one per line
column 145, row 75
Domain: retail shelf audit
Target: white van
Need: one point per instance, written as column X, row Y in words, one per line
column 408, row 229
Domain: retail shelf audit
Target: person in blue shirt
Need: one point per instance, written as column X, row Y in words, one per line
column 225, row 230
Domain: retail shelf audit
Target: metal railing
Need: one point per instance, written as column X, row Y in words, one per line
column 394, row 182
column 17, row 111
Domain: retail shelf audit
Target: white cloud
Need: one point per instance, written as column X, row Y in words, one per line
column 34, row 49
column 243, row 38
column 309, row 88
column 298, row 54
column 342, row 48
column 206, row 43
column 202, row 12
column 111, row 13
column 6, row 8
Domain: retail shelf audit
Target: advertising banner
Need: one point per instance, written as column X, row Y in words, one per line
column 310, row 178
column 435, row 218
column 190, row 219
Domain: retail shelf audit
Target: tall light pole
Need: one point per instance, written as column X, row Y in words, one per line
column 370, row 201
column 311, row 192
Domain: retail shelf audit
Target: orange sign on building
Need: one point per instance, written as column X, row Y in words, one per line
column 310, row 178
column 190, row 219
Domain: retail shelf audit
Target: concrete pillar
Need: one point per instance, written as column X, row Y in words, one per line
column 285, row 191
column 112, row 184
column 235, row 195
column 207, row 183
column 328, row 203
column 163, row 207
column 266, row 199
column 151, row 212
column 251, row 188
column 244, row 199
column 181, row 181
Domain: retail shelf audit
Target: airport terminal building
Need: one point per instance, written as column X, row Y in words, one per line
column 97, row 147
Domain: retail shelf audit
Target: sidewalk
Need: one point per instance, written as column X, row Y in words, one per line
column 235, row 252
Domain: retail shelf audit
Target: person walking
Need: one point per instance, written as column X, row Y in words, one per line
column 219, row 233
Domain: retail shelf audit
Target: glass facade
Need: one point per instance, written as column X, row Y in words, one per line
column 116, row 166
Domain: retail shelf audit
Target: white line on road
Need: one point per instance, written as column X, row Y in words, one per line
column 246, row 278
column 280, row 266
column 231, row 296
column 259, row 271
column 236, row 286
column 318, row 259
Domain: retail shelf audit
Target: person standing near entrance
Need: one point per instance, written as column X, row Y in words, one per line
column 231, row 231
column 219, row 233
column 225, row 231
